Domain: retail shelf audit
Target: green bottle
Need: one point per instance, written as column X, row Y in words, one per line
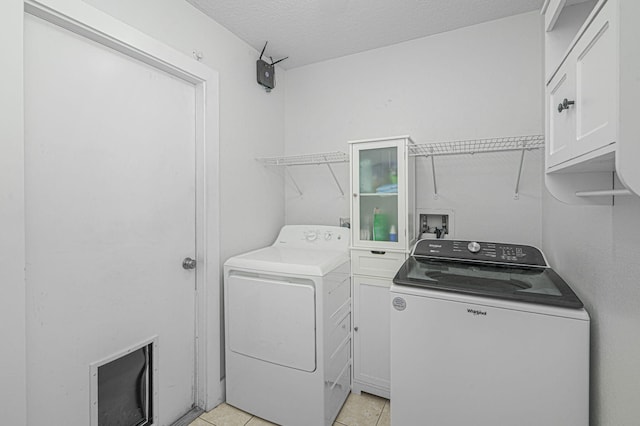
column 380, row 226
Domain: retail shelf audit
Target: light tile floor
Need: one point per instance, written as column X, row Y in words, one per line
column 358, row 410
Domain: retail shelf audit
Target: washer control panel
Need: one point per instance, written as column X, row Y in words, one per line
column 474, row 247
column 480, row 251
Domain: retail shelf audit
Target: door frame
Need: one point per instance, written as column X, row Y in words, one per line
column 102, row 28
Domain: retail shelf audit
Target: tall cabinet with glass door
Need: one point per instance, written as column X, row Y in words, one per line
column 382, row 232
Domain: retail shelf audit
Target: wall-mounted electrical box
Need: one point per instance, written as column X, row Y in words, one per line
column 435, row 223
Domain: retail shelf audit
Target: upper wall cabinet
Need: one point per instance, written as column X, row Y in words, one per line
column 593, row 95
column 383, row 194
column 582, row 95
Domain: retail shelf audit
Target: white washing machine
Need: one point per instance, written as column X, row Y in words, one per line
column 486, row 334
column 288, row 327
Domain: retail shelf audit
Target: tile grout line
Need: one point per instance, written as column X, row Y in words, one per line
column 335, row 421
column 206, row 421
column 380, row 416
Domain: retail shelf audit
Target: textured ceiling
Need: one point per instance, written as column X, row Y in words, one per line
column 310, row 31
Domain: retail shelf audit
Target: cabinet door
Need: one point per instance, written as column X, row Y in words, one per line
column 379, row 189
column 596, row 86
column 371, row 331
column 561, row 120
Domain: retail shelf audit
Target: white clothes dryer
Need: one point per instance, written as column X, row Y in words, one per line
column 288, row 327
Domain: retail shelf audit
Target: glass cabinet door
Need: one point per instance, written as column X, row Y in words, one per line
column 376, row 202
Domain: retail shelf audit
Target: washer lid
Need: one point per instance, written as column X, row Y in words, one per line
column 289, row 260
column 498, row 270
column 502, row 281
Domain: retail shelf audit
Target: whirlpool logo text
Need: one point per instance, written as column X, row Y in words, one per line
column 476, row 312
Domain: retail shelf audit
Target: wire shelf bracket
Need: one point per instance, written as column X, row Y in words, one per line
column 478, row 146
column 327, row 158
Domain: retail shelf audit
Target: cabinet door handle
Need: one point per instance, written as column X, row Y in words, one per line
column 566, row 103
column 355, row 328
column 377, row 252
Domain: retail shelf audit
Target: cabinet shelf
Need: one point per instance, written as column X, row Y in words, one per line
column 379, row 194
column 307, row 159
column 478, row 146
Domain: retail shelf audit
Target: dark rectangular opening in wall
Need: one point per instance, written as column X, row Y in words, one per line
column 124, row 389
column 437, row 224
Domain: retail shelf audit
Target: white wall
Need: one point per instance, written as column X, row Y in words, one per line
column 479, row 81
column 251, row 120
column 597, row 250
column 12, row 250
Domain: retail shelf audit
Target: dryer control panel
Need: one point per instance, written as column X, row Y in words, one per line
column 320, row 236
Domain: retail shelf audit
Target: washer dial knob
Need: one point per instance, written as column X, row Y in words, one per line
column 311, row 236
column 473, row 247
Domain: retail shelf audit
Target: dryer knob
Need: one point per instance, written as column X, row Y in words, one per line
column 311, row 236
column 327, row 236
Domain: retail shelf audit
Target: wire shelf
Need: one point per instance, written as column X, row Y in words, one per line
column 474, row 146
column 298, row 160
column 307, row 159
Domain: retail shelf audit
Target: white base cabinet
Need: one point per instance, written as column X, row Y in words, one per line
column 372, row 274
column 371, row 365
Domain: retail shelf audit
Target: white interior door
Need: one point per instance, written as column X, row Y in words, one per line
column 110, row 214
